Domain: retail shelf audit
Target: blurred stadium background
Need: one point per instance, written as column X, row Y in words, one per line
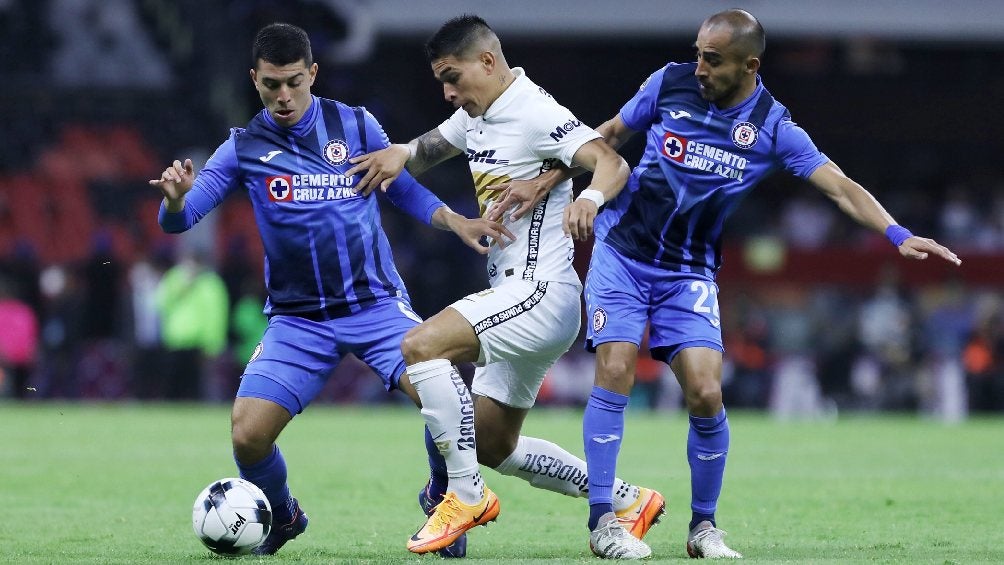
column 819, row 315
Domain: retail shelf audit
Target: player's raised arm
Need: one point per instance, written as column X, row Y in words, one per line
column 859, row 204
column 610, row 172
column 174, row 183
column 383, row 167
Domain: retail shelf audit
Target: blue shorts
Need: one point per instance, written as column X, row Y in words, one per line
column 623, row 295
column 296, row 355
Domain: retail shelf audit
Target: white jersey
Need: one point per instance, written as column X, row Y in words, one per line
column 518, row 137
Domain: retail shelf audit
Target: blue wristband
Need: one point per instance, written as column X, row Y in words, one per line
column 897, row 234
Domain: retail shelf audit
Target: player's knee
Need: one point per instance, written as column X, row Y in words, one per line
column 492, row 451
column 250, row 446
column 704, row 397
column 615, row 373
column 417, row 346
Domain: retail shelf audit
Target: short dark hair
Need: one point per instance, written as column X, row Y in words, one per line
column 746, row 30
column 281, row 44
column 456, row 37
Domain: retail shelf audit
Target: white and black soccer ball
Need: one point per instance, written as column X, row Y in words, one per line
column 231, row 516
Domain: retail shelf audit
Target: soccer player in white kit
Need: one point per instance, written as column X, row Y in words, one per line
column 509, row 128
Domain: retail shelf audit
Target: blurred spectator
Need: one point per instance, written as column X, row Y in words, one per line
column 18, row 342
column 984, row 369
column 806, row 222
column 192, row 302
column 62, row 331
column 22, row 271
column 238, row 269
column 959, row 218
column 144, row 279
column 247, row 324
column 102, row 276
column 748, row 382
column 885, row 324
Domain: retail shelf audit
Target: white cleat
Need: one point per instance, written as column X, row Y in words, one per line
column 705, row 540
column 611, row 541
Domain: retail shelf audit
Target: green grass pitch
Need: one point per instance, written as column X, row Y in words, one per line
column 115, row 484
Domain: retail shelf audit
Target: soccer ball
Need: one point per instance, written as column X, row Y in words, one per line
column 231, row 516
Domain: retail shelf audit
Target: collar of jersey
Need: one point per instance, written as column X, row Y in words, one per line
column 508, row 94
column 742, row 106
column 301, row 127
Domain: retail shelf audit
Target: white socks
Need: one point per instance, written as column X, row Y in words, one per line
column 448, row 410
column 547, row 466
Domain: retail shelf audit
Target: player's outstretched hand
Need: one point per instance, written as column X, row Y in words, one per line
column 579, row 217
column 176, row 180
column 382, row 168
column 474, row 231
column 920, row 247
column 521, row 194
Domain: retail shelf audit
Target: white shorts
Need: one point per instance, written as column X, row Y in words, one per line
column 524, row 327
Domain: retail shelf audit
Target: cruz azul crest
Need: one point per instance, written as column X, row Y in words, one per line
column 336, row 151
column 744, row 135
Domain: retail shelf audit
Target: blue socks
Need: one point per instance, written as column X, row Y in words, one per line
column 270, row 476
column 439, row 479
column 602, row 430
column 707, row 449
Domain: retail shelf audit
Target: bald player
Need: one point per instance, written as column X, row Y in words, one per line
column 713, row 132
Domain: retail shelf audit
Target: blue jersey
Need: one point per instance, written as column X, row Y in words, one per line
column 326, row 254
column 699, row 162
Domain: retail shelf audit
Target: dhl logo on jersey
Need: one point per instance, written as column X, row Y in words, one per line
column 309, row 187
column 704, row 157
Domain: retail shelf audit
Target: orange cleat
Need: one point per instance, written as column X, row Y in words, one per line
column 644, row 513
column 450, row 519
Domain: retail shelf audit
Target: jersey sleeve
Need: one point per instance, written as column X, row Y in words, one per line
column 213, row 183
column 405, row 192
column 454, row 129
column 413, row 198
column 795, row 149
column 553, row 132
column 376, row 137
column 640, row 111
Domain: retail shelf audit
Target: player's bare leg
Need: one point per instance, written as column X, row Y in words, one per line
column 255, row 425
column 602, row 430
column 699, row 370
column 430, row 350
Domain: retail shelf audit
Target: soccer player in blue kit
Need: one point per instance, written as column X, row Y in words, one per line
column 332, row 285
column 713, row 132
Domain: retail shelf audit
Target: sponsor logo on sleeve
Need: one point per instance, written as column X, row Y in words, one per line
column 567, row 127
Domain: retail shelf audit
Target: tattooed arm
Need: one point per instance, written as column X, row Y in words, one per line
column 383, row 167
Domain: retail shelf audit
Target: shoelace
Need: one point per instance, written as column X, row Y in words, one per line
column 614, row 528
column 445, row 512
column 713, row 533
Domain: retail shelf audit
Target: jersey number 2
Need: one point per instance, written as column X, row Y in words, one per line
column 707, row 300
